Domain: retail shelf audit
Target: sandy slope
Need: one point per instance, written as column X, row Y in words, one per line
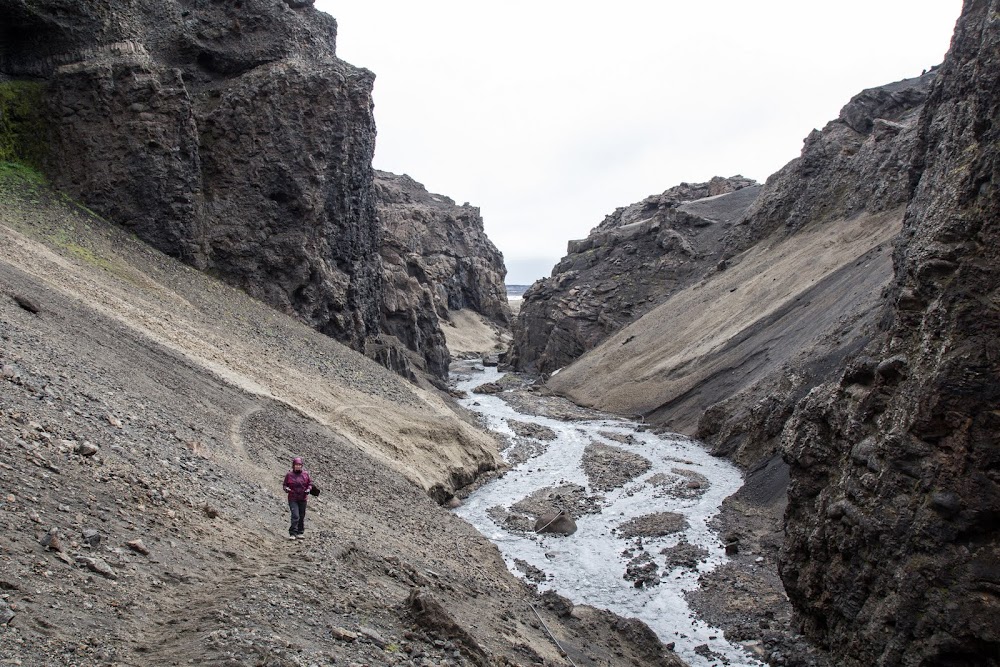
column 470, row 333
column 196, row 397
column 720, row 336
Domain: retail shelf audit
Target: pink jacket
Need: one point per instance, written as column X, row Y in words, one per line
column 297, row 485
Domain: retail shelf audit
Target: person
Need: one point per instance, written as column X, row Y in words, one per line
column 297, row 485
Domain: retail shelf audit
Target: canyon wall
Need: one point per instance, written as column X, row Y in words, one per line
column 229, row 135
column 892, row 553
column 636, row 258
column 437, row 261
column 850, row 328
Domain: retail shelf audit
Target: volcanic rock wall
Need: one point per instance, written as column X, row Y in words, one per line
column 790, row 290
column 893, row 549
column 228, row 134
column 436, row 260
column 637, row 257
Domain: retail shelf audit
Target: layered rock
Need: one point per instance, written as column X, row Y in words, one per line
column 231, row 136
column 228, row 135
column 892, row 548
column 794, row 289
column 436, row 261
column 637, row 257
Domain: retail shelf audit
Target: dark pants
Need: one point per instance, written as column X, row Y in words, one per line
column 298, row 508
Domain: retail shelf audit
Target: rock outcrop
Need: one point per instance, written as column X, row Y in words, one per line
column 437, row 261
column 793, row 290
column 892, row 554
column 230, row 135
column 630, row 263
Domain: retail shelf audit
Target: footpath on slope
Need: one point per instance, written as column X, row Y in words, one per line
column 145, row 425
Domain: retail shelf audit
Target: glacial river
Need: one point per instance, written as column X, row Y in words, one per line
column 588, row 566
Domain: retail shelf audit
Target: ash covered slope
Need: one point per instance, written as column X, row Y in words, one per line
column 147, row 415
column 441, row 271
column 637, row 257
column 231, row 136
column 727, row 356
column 892, row 546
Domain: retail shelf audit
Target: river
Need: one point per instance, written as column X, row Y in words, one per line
column 588, row 566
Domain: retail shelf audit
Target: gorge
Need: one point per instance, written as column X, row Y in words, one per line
column 202, row 275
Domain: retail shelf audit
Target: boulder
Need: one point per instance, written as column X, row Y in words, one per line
column 559, row 523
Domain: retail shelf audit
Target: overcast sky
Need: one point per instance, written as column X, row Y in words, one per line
column 548, row 115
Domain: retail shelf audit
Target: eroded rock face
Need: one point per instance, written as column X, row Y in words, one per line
column 792, row 292
column 892, row 548
column 436, row 259
column 637, row 257
column 231, row 136
column 228, row 135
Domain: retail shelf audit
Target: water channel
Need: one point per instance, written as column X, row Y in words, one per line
column 588, row 567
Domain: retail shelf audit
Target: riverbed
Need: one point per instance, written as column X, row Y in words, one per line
column 642, row 503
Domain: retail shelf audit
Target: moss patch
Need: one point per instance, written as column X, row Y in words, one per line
column 23, row 128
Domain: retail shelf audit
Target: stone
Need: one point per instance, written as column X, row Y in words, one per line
column 558, row 523
column 138, row 546
column 343, row 634
column 91, row 537
column 87, row 448
column 98, row 565
column 373, row 636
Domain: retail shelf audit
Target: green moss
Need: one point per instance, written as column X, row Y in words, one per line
column 23, row 128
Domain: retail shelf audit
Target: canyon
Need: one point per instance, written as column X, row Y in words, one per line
column 203, row 275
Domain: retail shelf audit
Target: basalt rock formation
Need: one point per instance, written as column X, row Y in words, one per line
column 229, row 135
column 792, row 289
column 636, row 258
column 855, row 323
column 437, row 260
column 892, row 555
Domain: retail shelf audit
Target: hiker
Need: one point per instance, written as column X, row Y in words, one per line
column 297, row 485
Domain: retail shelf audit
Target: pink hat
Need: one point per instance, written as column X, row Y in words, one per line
column 297, row 459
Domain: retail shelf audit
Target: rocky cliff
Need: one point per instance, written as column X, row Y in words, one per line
column 792, row 289
column 437, row 262
column 892, row 547
column 858, row 329
column 636, row 258
column 227, row 134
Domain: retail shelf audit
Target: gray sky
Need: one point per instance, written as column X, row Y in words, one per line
column 548, row 115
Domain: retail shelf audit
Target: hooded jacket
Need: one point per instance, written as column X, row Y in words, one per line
column 297, row 484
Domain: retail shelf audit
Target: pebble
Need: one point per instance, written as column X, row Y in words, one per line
column 137, row 546
column 92, row 537
column 98, row 565
column 87, row 448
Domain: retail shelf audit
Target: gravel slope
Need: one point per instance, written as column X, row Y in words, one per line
column 147, row 414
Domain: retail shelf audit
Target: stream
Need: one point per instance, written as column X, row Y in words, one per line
column 589, row 566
